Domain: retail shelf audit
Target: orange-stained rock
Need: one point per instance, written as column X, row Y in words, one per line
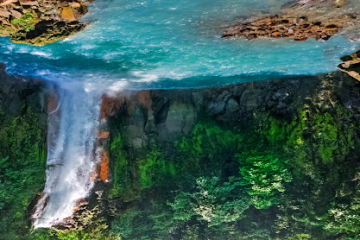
column 68, row 14
column 104, row 167
column 79, row 203
column 103, row 135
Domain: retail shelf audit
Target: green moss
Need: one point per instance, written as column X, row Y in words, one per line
column 27, row 21
column 153, row 166
column 207, row 140
column 265, row 175
column 119, row 154
column 22, row 170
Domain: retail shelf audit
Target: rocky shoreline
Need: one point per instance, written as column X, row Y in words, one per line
column 301, row 20
column 39, row 22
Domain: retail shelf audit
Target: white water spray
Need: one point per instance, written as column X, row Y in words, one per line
column 72, row 130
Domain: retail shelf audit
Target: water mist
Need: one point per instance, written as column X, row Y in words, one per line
column 71, row 161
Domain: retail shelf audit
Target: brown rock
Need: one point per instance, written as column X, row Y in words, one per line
column 103, row 135
column 29, row 3
column 300, row 38
column 340, row 2
column 7, row 2
column 4, row 13
column 275, row 34
column 15, row 13
column 68, row 14
column 75, row 4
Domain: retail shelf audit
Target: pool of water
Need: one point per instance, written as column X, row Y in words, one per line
column 167, row 44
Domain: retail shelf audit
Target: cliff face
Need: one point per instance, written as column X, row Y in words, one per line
column 165, row 115
column 178, row 159
column 23, row 131
column 194, row 163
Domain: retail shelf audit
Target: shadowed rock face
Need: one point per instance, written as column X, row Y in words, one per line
column 300, row 21
column 38, row 22
column 166, row 115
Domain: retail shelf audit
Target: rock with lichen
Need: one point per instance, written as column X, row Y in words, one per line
column 38, row 22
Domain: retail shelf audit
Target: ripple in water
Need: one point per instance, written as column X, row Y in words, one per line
column 166, row 44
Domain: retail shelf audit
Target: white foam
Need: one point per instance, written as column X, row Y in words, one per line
column 72, row 158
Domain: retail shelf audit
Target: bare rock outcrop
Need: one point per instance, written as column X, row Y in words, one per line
column 351, row 65
column 38, row 22
column 300, row 21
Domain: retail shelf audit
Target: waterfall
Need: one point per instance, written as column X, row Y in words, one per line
column 71, row 160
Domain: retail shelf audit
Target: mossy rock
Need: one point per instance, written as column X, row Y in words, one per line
column 47, row 32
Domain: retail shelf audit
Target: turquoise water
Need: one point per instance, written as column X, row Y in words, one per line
column 166, row 44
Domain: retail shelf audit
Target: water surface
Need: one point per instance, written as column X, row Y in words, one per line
column 167, row 44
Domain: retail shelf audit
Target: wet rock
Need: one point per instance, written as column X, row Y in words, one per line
column 51, row 20
column 232, row 106
column 300, row 21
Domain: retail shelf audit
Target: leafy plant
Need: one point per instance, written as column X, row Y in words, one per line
column 212, row 202
column 26, row 21
column 265, row 176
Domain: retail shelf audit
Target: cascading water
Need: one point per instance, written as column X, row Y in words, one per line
column 72, row 156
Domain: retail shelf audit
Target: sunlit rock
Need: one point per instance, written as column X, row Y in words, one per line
column 40, row 22
column 300, row 21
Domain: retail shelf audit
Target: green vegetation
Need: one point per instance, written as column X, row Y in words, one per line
column 26, row 21
column 265, row 175
column 22, row 171
column 273, row 179
column 154, row 166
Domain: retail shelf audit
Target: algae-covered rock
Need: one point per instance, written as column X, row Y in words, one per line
column 47, row 32
column 39, row 22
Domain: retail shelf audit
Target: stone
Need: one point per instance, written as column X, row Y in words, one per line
column 29, row 2
column 4, row 13
column 7, row 2
column 15, row 14
column 75, row 4
column 232, row 105
column 68, row 14
column 299, row 21
column 103, row 135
